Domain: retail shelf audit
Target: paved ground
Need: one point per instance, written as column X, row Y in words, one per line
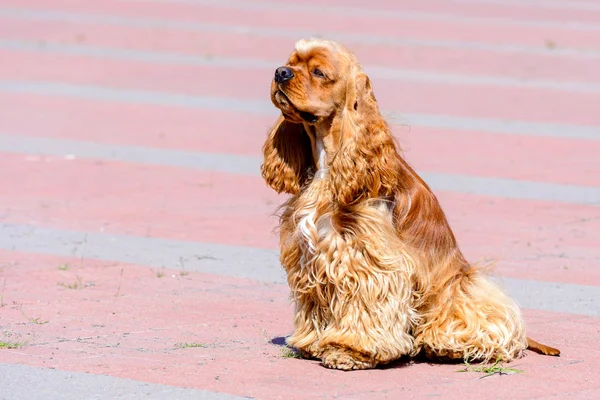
column 137, row 258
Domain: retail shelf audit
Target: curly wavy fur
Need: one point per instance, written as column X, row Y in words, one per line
column 374, row 269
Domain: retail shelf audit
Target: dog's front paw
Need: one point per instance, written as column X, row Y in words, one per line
column 310, row 353
column 345, row 359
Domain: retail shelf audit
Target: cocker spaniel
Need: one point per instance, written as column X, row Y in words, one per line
column 374, row 269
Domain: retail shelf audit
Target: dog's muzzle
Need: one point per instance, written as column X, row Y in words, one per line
column 283, row 74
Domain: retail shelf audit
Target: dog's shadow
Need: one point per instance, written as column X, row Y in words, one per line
column 279, row 341
column 402, row 362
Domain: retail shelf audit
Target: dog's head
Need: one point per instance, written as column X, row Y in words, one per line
column 322, row 91
column 319, row 81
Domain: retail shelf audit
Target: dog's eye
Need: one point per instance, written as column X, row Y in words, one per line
column 317, row 72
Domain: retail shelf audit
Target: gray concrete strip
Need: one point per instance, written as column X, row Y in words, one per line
column 511, row 188
column 264, row 107
column 69, row 149
column 247, row 165
column 137, row 55
column 292, row 34
column 88, row 92
column 377, row 72
column 245, row 262
column 237, row 261
column 500, row 126
column 565, row 297
column 445, row 78
column 393, row 15
column 33, row 383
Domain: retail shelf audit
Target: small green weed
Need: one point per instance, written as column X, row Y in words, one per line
column 11, row 345
column 64, row 267
column 186, row 345
column 2, row 293
column 37, row 321
column 489, row 370
column 78, row 284
column 287, row 352
column 120, row 281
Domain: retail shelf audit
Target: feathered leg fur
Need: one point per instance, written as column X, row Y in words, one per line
column 469, row 317
column 350, row 280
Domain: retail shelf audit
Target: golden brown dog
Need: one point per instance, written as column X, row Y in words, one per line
column 372, row 264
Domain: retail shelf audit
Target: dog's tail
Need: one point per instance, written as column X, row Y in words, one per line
column 541, row 348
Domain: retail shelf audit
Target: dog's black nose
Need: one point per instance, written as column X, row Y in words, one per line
column 283, row 74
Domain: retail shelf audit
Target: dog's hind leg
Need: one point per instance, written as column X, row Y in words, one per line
column 471, row 318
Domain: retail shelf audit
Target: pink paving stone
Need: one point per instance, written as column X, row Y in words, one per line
column 550, row 11
column 161, row 201
column 558, row 12
column 436, row 29
column 128, row 324
column 412, row 97
column 543, row 11
column 462, row 61
column 136, row 124
column 427, row 149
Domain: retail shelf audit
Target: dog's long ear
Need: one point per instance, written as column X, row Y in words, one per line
column 287, row 157
column 368, row 161
column 359, row 94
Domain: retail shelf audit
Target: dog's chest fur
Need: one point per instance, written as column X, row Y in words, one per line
column 320, row 224
column 332, row 245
